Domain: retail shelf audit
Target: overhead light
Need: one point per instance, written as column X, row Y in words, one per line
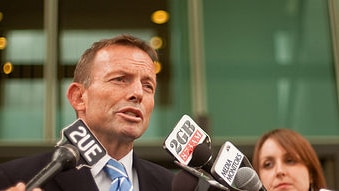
column 158, row 67
column 156, row 42
column 160, row 17
column 7, row 68
column 3, row 43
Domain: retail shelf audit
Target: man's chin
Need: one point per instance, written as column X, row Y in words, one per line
column 133, row 135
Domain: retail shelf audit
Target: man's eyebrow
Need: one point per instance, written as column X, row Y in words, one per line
column 151, row 79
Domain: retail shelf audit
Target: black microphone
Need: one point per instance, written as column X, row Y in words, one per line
column 191, row 146
column 64, row 158
column 190, row 179
column 77, row 141
column 202, row 157
column 225, row 167
column 247, row 179
column 79, row 135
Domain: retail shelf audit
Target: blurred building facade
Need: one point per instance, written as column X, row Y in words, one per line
column 240, row 68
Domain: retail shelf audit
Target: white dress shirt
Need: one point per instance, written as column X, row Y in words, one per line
column 103, row 181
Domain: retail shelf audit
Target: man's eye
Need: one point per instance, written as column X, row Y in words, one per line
column 149, row 87
column 118, row 79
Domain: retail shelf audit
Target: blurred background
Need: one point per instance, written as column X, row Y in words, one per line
column 239, row 68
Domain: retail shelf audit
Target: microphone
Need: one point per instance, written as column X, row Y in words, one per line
column 231, row 168
column 190, row 179
column 202, row 157
column 185, row 136
column 65, row 157
column 247, row 179
column 191, row 146
column 79, row 135
column 227, row 163
column 76, row 141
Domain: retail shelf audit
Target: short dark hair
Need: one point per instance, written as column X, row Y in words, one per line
column 83, row 67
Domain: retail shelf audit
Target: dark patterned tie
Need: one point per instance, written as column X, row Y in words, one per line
column 117, row 172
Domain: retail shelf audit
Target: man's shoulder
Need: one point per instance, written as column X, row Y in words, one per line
column 153, row 176
column 28, row 161
column 22, row 169
column 151, row 165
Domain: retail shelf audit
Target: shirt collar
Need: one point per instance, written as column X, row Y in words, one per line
column 127, row 161
column 97, row 167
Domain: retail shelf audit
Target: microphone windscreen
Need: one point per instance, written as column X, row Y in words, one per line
column 247, row 179
column 184, row 180
column 201, row 155
column 68, row 155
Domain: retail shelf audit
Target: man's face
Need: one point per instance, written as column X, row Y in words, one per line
column 120, row 98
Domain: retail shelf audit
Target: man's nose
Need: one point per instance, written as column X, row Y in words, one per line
column 137, row 92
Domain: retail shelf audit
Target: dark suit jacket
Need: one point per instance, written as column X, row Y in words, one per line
column 152, row 177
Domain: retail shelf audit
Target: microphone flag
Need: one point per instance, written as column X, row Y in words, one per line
column 227, row 163
column 79, row 135
column 185, row 136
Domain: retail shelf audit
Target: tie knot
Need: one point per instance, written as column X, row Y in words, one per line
column 115, row 169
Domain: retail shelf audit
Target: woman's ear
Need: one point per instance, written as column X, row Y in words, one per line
column 75, row 96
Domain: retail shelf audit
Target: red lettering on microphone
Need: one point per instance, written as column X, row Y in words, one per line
column 193, row 142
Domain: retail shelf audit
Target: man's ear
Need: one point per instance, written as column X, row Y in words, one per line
column 75, row 96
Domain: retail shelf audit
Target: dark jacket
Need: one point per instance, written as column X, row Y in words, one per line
column 152, row 177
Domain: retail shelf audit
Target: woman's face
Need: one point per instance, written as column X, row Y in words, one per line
column 279, row 171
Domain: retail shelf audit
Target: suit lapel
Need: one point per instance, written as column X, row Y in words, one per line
column 141, row 178
column 145, row 176
column 151, row 177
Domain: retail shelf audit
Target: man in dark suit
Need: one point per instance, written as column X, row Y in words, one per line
column 113, row 93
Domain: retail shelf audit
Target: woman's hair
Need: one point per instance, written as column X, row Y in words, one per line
column 83, row 67
column 296, row 145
